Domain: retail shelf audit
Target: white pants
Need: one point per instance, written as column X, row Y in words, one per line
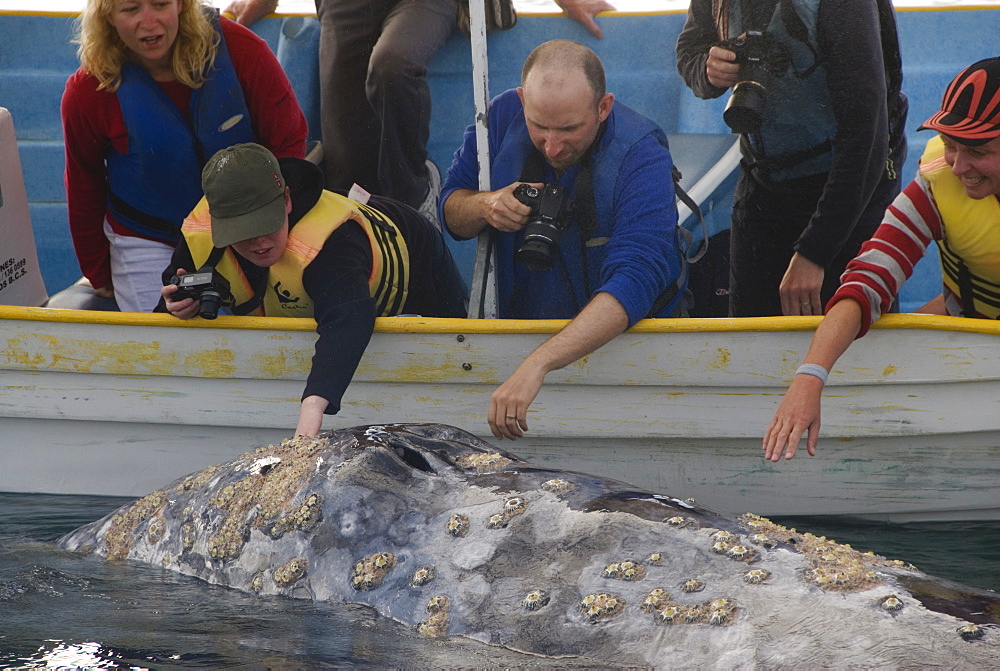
column 137, row 266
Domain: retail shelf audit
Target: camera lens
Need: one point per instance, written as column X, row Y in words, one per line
column 536, row 256
column 537, row 253
column 211, row 301
column 744, row 112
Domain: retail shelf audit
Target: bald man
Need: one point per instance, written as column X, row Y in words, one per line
column 608, row 261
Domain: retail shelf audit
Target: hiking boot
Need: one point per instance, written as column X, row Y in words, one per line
column 429, row 207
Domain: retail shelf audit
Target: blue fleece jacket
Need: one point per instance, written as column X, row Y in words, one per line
column 634, row 254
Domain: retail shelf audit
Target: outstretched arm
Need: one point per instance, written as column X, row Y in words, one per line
column 311, row 416
column 800, row 408
column 600, row 321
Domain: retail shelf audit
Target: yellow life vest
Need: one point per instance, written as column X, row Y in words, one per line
column 970, row 249
column 285, row 295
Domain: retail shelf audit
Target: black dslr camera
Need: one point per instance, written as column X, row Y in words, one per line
column 207, row 286
column 761, row 58
column 550, row 209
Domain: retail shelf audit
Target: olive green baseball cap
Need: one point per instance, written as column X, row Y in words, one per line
column 245, row 193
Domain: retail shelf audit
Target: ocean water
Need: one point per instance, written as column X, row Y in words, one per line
column 66, row 611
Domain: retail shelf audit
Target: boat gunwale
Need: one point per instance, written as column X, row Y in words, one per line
column 433, row 325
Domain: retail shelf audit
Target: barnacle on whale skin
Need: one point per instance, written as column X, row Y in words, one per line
column 481, row 462
column 189, row 534
column 458, row 525
column 436, row 624
column 371, row 571
column 626, row 570
column 422, row 575
column 693, row 614
column 535, row 599
column 970, row 632
column 756, row 576
column 668, row 614
column 303, row 518
column 719, row 616
column 741, row 552
column 601, row 606
column 498, row 521
column 515, row 505
column 723, row 603
column 692, row 585
column 720, row 611
column 438, row 603
column 720, row 547
column 119, row 536
column 890, row 603
column 290, row 572
column 655, row 600
column 156, row 530
column 557, row 485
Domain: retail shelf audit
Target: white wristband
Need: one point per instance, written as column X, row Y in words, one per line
column 813, row 369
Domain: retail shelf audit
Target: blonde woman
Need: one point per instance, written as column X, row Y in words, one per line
column 162, row 86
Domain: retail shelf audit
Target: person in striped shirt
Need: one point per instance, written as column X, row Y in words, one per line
column 954, row 201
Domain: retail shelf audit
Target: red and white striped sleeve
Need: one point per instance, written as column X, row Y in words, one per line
column 874, row 277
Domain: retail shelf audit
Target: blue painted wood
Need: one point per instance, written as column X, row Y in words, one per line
column 638, row 53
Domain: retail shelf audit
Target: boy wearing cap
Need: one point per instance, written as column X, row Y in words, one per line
column 954, row 201
column 289, row 248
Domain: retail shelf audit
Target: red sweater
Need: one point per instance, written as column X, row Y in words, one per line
column 93, row 126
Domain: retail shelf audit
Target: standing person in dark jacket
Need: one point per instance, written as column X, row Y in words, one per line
column 824, row 163
column 301, row 251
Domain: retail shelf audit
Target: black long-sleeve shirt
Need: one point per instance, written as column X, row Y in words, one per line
column 337, row 281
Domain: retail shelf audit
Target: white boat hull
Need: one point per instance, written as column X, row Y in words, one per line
column 119, row 404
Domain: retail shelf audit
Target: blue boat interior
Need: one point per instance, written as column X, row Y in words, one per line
column 36, row 57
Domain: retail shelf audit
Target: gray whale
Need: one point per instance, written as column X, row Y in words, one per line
column 439, row 530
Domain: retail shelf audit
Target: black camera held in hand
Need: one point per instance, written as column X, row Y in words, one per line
column 550, row 210
column 207, row 286
column 761, row 58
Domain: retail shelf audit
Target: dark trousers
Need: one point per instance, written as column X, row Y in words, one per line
column 376, row 102
column 767, row 222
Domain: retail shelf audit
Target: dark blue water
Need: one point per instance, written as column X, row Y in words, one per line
column 60, row 610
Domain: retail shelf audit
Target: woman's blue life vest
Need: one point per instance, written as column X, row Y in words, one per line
column 625, row 127
column 157, row 183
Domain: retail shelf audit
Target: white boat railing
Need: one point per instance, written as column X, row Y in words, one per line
column 483, row 292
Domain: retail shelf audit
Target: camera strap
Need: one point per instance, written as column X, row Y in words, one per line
column 757, row 14
column 258, row 291
column 776, row 163
column 585, row 213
